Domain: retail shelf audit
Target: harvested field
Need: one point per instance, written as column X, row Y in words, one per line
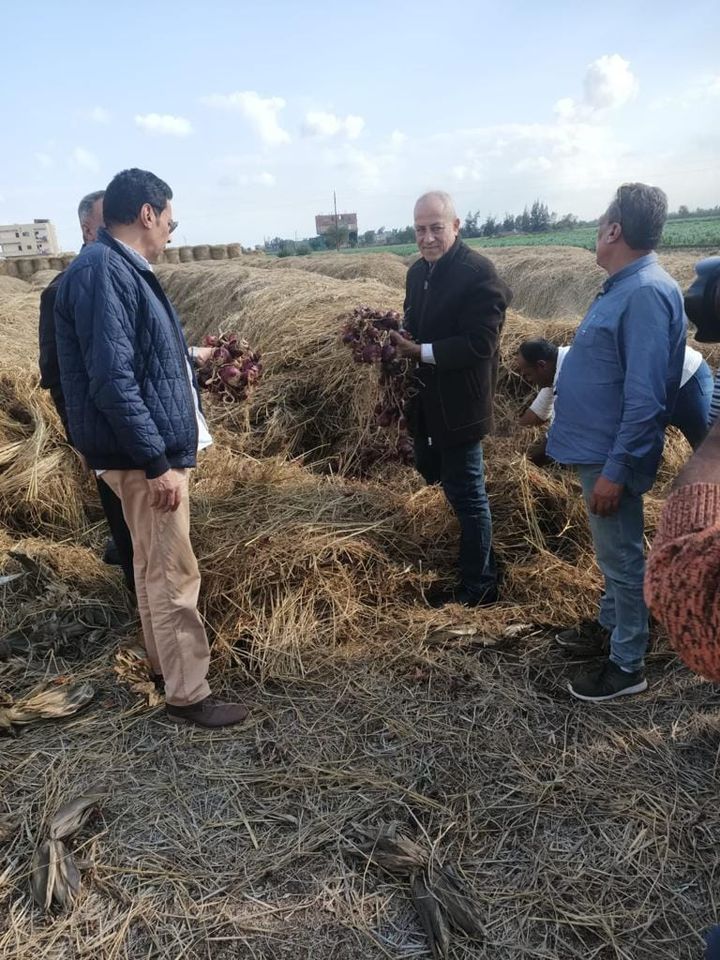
column 576, row 832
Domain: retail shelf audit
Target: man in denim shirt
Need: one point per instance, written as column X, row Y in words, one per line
column 615, row 393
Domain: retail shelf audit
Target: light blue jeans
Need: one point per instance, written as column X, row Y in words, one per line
column 618, row 542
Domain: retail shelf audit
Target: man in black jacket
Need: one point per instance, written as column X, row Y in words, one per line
column 455, row 309
column 119, row 549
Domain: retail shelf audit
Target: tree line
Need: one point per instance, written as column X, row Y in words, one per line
column 538, row 218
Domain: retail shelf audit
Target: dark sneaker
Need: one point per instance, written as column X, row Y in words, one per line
column 441, row 598
column 588, row 639
column 111, row 556
column 209, row 713
column 607, row 683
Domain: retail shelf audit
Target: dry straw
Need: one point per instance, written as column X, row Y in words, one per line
column 576, row 833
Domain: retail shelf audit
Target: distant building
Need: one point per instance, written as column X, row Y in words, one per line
column 36, row 239
column 323, row 222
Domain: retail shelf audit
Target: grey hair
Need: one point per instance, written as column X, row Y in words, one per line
column 641, row 211
column 87, row 203
column 445, row 200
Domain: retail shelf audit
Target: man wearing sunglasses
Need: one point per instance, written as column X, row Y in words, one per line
column 134, row 413
column 616, row 389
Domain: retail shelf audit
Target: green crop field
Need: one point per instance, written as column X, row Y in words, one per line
column 678, row 233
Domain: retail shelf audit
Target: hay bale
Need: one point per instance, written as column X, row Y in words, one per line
column 24, row 267
column 56, row 263
column 9, row 268
column 40, row 263
column 161, row 258
column 185, row 254
column 234, row 250
column 172, row 255
column 201, row 252
column 67, row 259
column 218, row 252
column 42, row 278
column 11, row 286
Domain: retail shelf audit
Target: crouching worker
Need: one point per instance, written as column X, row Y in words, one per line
column 455, row 309
column 134, row 414
column 539, row 362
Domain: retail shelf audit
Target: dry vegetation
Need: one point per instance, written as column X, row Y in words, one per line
column 575, row 832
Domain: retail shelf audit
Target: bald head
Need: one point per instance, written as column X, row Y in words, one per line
column 436, row 224
column 438, row 200
column 90, row 214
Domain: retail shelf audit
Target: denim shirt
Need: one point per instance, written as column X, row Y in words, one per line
column 620, row 379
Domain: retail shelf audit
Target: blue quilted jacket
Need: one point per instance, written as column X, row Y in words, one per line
column 123, row 364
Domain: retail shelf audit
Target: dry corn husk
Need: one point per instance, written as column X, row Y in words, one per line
column 431, row 915
column 71, row 816
column 133, row 669
column 48, row 704
column 438, row 894
column 54, row 877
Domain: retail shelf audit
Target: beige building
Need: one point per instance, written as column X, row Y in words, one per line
column 325, row 222
column 36, row 239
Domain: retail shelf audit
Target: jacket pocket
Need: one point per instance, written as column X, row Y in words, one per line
column 462, row 399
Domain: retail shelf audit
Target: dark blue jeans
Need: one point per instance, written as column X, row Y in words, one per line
column 692, row 407
column 461, row 471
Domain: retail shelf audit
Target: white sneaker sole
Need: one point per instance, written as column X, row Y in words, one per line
column 625, row 692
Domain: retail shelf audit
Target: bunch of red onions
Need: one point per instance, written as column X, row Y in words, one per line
column 366, row 331
column 233, row 368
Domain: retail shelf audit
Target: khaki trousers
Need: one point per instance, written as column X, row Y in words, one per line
column 167, row 584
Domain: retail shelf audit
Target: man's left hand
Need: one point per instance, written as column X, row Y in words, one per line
column 406, row 348
column 605, row 497
column 201, row 355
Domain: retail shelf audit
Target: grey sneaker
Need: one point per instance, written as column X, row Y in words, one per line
column 588, row 639
column 607, row 683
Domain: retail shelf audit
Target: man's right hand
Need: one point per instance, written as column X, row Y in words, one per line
column 166, row 490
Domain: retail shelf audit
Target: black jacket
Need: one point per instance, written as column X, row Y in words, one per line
column 459, row 308
column 49, row 368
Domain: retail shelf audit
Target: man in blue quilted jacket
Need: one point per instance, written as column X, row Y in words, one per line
column 134, row 413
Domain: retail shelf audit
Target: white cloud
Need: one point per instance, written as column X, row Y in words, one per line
column 98, row 115
column 44, row 159
column 165, row 124
column 85, row 159
column 319, row 123
column 260, row 112
column 397, row 138
column 609, row 84
column 262, row 179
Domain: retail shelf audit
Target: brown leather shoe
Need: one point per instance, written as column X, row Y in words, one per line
column 209, row 713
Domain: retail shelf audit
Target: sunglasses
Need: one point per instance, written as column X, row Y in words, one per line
column 172, row 225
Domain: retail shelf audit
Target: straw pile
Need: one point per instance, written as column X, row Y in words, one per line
column 395, row 754
column 310, row 401
column 388, row 268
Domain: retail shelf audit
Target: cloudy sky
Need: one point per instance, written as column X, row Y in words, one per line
column 254, row 113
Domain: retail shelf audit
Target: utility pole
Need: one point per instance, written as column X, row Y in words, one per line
column 337, row 223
